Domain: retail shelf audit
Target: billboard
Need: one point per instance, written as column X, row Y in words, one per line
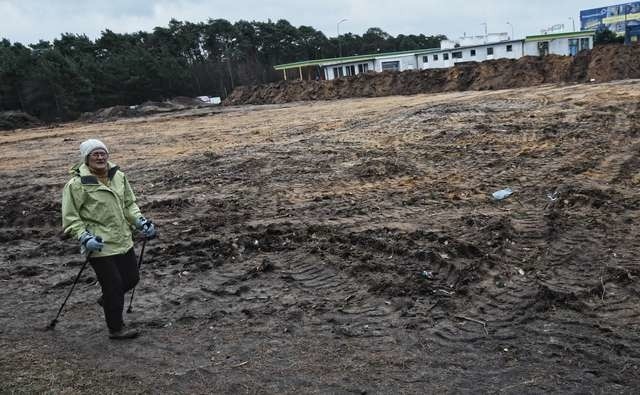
column 614, row 17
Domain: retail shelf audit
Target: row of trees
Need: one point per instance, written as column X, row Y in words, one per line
column 73, row 74
column 606, row 36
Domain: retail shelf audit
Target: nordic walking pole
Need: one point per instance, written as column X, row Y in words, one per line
column 53, row 323
column 133, row 292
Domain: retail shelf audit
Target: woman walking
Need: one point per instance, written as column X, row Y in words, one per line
column 100, row 210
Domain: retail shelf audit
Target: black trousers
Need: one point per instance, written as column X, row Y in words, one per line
column 116, row 274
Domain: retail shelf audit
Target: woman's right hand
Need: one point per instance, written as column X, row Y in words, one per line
column 89, row 242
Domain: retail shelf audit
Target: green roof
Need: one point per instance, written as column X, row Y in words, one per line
column 321, row 61
column 359, row 58
column 561, row 35
column 346, row 59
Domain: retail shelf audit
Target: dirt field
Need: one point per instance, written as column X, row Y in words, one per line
column 348, row 246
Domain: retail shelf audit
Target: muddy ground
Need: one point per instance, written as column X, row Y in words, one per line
column 345, row 247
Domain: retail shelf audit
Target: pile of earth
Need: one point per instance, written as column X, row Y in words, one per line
column 614, row 62
column 10, row 120
column 147, row 108
column 603, row 63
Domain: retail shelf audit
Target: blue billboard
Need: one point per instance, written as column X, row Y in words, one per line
column 615, row 17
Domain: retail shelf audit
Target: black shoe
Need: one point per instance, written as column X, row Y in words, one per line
column 124, row 334
column 100, row 300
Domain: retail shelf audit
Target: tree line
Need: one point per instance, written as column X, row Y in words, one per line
column 59, row 80
column 606, row 36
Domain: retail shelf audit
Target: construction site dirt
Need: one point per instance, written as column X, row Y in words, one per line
column 602, row 64
column 346, row 246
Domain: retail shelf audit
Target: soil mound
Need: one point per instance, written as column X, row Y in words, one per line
column 603, row 63
column 614, row 62
column 10, row 120
column 147, row 108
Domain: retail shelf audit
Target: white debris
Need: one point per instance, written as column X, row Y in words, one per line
column 502, row 194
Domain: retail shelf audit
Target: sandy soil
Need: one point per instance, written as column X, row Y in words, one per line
column 348, row 246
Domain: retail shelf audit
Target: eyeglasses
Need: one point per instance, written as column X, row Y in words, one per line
column 99, row 155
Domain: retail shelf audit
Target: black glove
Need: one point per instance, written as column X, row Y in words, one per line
column 147, row 227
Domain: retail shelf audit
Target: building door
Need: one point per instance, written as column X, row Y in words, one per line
column 543, row 48
column 363, row 68
column 573, row 46
column 584, row 44
column 350, row 70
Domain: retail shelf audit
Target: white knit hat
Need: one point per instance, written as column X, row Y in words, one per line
column 88, row 146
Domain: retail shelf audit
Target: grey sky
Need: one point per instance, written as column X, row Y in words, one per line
column 27, row 21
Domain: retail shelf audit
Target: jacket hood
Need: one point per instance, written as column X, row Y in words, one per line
column 82, row 170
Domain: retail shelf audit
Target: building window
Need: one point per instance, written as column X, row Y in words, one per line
column 435, row 57
column 391, row 66
column 337, row 72
column 350, row 70
column 457, row 55
column 473, row 52
column 489, row 51
column 425, row 59
column 363, row 68
column 584, row 43
column 445, row 56
column 509, row 48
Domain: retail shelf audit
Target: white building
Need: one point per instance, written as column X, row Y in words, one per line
column 466, row 49
column 567, row 44
column 471, row 49
column 353, row 65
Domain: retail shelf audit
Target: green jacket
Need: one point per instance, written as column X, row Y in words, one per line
column 106, row 211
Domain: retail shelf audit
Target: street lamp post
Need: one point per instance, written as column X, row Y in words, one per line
column 339, row 41
column 485, row 31
column 626, row 30
column 512, row 31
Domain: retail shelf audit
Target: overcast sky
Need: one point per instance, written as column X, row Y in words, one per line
column 28, row 21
